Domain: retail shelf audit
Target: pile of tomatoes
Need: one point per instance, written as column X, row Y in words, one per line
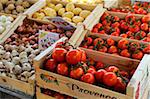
column 129, row 27
column 74, row 63
column 122, row 47
column 136, row 8
column 55, row 94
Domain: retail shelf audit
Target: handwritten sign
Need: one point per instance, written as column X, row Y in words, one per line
column 46, row 39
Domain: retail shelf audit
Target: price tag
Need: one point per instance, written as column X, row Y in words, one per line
column 46, row 39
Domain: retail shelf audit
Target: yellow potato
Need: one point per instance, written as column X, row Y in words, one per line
column 77, row 11
column 67, row 19
column 70, row 7
column 38, row 15
column 61, row 11
column 51, row 5
column 77, row 19
column 84, row 13
column 50, row 12
column 68, row 15
column 58, row 6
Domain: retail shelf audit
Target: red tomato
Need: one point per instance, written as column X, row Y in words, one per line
column 106, row 22
column 113, row 49
column 98, row 25
column 123, row 44
column 114, row 34
column 104, row 16
column 62, row 69
column 88, row 78
column 50, row 65
column 110, row 42
column 124, row 25
column 110, row 79
column 146, row 49
column 59, row 45
column 95, row 30
column 137, row 22
column 134, row 46
column 116, row 19
column 98, row 41
column 124, row 74
column 99, row 75
column 120, row 85
column 90, row 47
column 130, row 18
column 129, row 33
column 59, row 54
column 116, row 24
column 124, row 35
column 137, row 55
column 91, row 70
column 76, row 73
column 146, row 39
column 134, row 28
column 99, row 65
column 144, row 27
column 89, row 40
column 146, row 19
column 112, row 69
column 140, row 35
column 103, row 49
column 125, row 53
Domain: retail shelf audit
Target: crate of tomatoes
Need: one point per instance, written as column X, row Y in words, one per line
column 83, row 73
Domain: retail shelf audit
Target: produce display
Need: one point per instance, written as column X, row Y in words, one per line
column 15, row 6
column 84, row 1
column 136, row 8
column 128, row 27
column 5, row 22
column 18, row 51
column 55, row 94
column 69, row 12
column 75, row 64
column 123, row 47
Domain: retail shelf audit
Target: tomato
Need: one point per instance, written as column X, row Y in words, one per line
column 137, row 55
column 99, row 75
column 124, row 26
column 114, row 34
column 124, row 35
column 129, row 33
column 110, row 42
column 106, row 22
column 134, row 28
column 88, row 40
column 98, row 41
column 90, row 47
column 102, row 32
column 91, row 70
column 103, row 49
column 146, row 19
column 125, row 53
column 130, row 18
column 75, row 56
column 134, row 46
column 107, row 28
column 59, row 54
column 110, row 79
column 120, row 86
column 98, row 25
column 115, row 19
column 62, row 69
column 113, row 49
column 144, row 27
column 135, row 6
column 116, row 24
column 112, row 69
column 50, row 65
column 95, row 30
column 137, row 22
column 146, row 39
column 148, row 35
column 76, row 73
column 116, row 29
column 140, row 35
column 85, row 46
column 123, row 44
column 124, row 74
column 104, row 16
column 88, row 78
column 99, row 65
column 146, row 49
column 59, row 45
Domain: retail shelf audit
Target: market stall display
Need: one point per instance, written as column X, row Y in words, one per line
column 55, row 66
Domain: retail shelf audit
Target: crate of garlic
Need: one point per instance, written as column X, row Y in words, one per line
column 72, row 12
column 15, row 7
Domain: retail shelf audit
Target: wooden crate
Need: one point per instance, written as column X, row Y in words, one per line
column 17, row 85
column 83, row 90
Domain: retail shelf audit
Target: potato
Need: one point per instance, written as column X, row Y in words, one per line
column 14, row 12
column 84, row 13
column 50, row 12
column 68, row 15
column 25, row 4
column 10, row 2
column 58, row 6
column 77, row 11
column 7, row 11
column 51, row 5
column 1, row 6
column 77, row 19
column 67, row 19
column 3, row 1
column 61, row 11
column 11, row 7
column 19, row 9
column 18, row 2
column 70, row 7
column 40, row 16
